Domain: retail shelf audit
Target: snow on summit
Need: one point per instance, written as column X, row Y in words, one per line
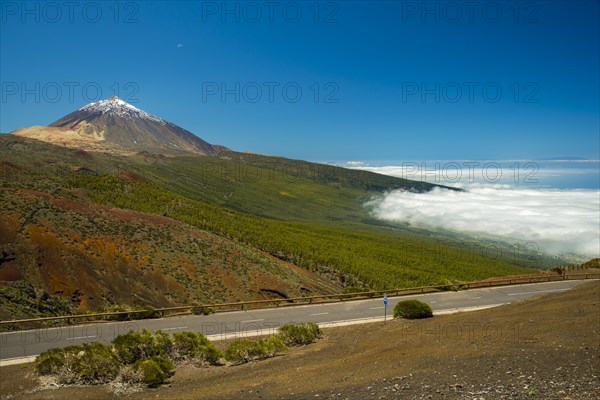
column 116, row 106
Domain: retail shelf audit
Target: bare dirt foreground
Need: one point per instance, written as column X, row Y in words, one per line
column 543, row 348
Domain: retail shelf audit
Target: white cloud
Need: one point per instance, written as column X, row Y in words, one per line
column 180, row 45
column 558, row 221
column 355, row 163
column 463, row 173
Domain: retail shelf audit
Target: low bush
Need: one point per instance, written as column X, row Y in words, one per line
column 202, row 310
column 241, row 351
column 270, row 346
column 97, row 363
column 412, row 309
column 129, row 375
column 186, row 344
column 150, row 312
column 115, row 308
column 244, row 351
column 88, row 364
column 154, row 370
column 454, row 286
column 140, row 357
column 143, row 344
column 52, row 361
column 192, row 346
column 196, row 310
column 208, row 354
column 299, row 334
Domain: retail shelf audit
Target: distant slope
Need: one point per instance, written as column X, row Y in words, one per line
column 274, row 187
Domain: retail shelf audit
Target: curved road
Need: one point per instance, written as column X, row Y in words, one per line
column 20, row 346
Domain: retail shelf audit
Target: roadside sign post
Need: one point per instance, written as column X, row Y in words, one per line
column 385, row 301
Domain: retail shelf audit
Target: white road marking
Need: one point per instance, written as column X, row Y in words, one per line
column 321, row 313
column 538, row 291
column 475, row 298
column 81, row 337
column 377, row 308
column 253, row 320
column 172, row 329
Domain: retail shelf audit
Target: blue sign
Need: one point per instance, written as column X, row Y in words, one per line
column 385, row 299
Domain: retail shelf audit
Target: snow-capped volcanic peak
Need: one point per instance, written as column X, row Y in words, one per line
column 114, row 125
column 118, row 107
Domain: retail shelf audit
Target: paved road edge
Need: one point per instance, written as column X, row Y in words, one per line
column 270, row 331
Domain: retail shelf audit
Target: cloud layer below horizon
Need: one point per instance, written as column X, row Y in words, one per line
column 557, row 221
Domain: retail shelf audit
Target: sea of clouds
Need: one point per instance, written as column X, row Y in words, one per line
column 558, row 221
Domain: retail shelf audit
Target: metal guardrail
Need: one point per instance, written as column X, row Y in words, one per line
column 328, row 298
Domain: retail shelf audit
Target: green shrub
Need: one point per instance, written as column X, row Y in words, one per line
column 150, row 312
column 115, row 308
column 412, row 309
column 244, row 351
column 88, row 364
column 96, row 364
column 186, row 344
column 241, row 351
column 154, row 370
column 202, row 310
column 299, row 334
column 194, row 346
column 270, row 346
column 197, row 309
column 209, row 354
column 454, row 286
column 51, row 361
column 142, row 356
column 143, row 344
column 129, row 374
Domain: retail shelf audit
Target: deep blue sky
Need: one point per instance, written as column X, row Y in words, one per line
column 372, row 58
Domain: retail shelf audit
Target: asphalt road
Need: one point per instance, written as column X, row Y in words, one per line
column 17, row 345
